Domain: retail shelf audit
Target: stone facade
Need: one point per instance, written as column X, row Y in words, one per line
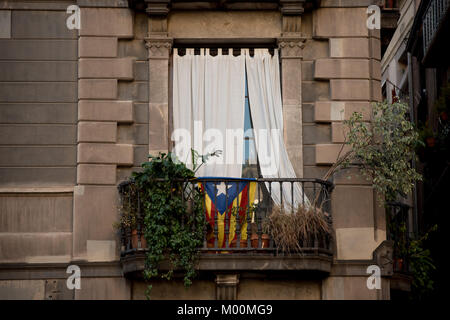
column 80, row 110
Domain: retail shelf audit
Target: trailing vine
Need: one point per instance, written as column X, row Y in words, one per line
column 173, row 216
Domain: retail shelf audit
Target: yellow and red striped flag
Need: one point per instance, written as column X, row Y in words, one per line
column 221, row 196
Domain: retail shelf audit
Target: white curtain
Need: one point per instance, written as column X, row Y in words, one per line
column 208, row 115
column 208, row 105
column 263, row 77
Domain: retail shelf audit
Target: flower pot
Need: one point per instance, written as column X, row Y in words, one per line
column 242, row 244
column 210, row 245
column 398, row 264
column 134, row 240
column 431, row 142
column 265, row 240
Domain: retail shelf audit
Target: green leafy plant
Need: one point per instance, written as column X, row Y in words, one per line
column 435, row 132
column 172, row 206
column 418, row 258
column 173, row 216
column 382, row 149
column 421, row 265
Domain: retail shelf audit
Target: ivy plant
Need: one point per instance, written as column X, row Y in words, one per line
column 174, row 220
column 173, row 216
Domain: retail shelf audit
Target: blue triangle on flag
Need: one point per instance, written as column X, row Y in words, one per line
column 223, row 193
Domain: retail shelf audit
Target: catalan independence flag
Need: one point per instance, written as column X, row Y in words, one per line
column 220, row 198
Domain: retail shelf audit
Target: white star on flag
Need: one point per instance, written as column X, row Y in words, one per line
column 221, row 188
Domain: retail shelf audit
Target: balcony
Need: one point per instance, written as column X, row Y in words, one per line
column 238, row 244
column 399, row 229
column 434, row 25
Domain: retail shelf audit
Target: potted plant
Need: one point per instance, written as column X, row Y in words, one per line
column 291, row 230
column 173, row 214
column 254, row 239
column 242, row 243
column 265, row 240
column 382, row 151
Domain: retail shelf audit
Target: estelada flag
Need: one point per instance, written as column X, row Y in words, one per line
column 221, row 196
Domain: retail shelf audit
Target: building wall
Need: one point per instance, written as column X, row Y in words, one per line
column 394, row 63
column 38, row 133
column 107, row 105
column 342, row 75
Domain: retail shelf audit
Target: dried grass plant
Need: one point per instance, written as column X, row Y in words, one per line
column 290, row 230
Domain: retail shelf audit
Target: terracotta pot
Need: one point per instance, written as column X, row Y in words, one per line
column 134, row 240
column 398, row 264
column 242, row 244
column 210, row 245
column 254, row 240
column 431, row 142
column 265, row 240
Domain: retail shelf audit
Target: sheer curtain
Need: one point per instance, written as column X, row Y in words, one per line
column 208, row 105
column 263, row 77
column 209, row 109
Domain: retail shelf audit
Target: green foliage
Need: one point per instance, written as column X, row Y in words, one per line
column 442, row 104
column 128, row 209
column 421, row 265
column 435, row 134
column 173, row 216
column 200, row 159
column 383, row 149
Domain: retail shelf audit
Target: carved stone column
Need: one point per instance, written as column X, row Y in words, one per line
column 159, row 47
column 291, row 45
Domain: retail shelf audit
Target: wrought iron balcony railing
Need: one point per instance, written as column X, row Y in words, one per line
column 243, row 232
column 434, row 15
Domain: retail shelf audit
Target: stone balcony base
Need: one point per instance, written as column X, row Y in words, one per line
column 133, row 264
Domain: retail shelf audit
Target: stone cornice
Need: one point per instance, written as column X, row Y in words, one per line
column 163, row 7
column 292, row 7
column 157, row 7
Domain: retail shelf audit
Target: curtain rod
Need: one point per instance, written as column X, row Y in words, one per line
column 225, row 51
column 225, row 46
column 225, row 43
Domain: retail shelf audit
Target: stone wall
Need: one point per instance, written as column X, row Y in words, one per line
column 38, row 96
column 68, row 129
column 38, row 132
column 341, row 75
column 107, row 91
